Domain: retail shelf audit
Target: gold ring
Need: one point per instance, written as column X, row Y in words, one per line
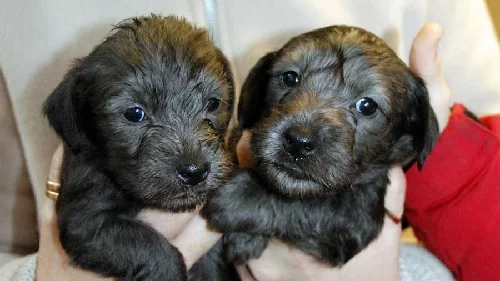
column 52, row 189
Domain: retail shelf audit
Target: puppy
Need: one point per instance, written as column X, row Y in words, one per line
column 330, row 112
column 142, row 118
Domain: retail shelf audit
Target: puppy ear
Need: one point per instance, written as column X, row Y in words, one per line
column 422, row 125
column 251, row 106
column 61, row 109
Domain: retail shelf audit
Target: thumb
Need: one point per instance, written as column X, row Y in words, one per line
column 395, row 195
column 423, row 54
column 55, row 164
column 424, row 62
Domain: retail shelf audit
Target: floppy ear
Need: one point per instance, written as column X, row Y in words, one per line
column 422, row 125
column 251, row 105
column 61, row 109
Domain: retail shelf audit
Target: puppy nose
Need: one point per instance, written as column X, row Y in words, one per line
column 192, row 174
column 299, row 142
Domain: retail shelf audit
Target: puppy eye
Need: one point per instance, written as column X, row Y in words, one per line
column 135, row 114
column 290, row 78
column 213, row 104
column 366, row 106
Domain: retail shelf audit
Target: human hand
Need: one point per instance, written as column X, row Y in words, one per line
column 379, row 261
column 182, row 230
column 424, row 62
column 280, row 262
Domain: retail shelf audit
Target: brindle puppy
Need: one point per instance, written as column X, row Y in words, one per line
column 142, row 118
column 330, row 112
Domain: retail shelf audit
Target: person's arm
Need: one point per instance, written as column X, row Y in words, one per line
column 452, row 203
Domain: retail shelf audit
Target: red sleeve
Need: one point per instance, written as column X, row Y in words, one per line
column 453, row 203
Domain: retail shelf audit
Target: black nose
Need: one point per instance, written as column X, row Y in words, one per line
column 192, row 174
column 299, row 142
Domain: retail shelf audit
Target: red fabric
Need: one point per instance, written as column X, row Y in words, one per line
column 453, row 203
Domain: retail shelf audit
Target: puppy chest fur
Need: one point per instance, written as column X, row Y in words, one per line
column 340, row 108
column 142, row 118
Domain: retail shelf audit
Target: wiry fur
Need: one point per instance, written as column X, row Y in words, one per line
column 330, row 204
column 113, row 167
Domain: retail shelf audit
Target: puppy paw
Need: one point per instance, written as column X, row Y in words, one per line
column 170, row 267
column 242, row 205
column 240, row 247
column 217, row 212
column 222, row 207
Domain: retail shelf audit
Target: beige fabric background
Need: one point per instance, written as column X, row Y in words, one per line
column 17, row 209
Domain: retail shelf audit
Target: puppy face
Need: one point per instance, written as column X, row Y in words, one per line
column 330, row 106
column 150, row 106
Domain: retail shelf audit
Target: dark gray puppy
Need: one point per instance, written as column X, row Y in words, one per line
column 142, row 118
column 330, row 112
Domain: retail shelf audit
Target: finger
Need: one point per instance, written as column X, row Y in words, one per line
column 244, row 151
column 395, row 195
column 195, row 240
column 244, row 274
column 48, row 226
column 55, row 164
column 424, row 61
column 423, row 55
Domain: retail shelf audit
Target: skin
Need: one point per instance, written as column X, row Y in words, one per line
column 278, row 262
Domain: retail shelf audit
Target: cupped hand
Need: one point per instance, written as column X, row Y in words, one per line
column 281, row 262
column 424, row 62
column 187, row 231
